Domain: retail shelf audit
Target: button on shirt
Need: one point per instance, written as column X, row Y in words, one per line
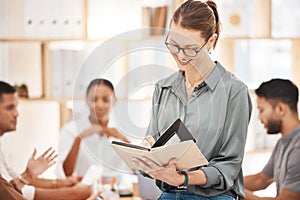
column 284, row 163
column 217, row 115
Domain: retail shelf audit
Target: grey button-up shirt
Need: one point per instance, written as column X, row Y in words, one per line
column 217, row 114
column 284, row 163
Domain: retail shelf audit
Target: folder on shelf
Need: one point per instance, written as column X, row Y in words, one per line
column 31, row 17
column 72, row 17
column 186, row 152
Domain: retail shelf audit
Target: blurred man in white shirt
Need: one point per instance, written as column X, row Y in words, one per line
column 27, row 182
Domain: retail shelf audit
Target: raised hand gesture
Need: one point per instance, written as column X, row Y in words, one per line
column 37, row 166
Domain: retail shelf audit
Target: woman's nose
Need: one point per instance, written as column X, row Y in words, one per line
column 181, row 54
column 99, row 104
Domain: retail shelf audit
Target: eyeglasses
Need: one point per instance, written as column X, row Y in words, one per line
column 190, row 52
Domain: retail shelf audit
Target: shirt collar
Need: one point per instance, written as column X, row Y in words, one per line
column 292, row 134
column 175, row 80
column 215, row 76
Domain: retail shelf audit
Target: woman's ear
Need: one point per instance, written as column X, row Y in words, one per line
column 213, row 38
column 211, row 42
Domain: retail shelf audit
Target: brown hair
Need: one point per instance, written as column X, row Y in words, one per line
column 197, row 15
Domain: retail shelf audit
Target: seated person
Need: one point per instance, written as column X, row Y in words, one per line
column 28, row 183
column 86, row 141
column 277, row 104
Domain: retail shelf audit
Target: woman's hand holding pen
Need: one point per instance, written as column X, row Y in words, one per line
column 148, row 142
column 167, row 174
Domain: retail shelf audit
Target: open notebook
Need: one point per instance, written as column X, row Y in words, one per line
column 186, row 152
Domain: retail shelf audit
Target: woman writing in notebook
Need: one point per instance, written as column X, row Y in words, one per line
column 213, row 104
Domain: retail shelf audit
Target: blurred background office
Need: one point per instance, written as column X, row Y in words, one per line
column 55, row 47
